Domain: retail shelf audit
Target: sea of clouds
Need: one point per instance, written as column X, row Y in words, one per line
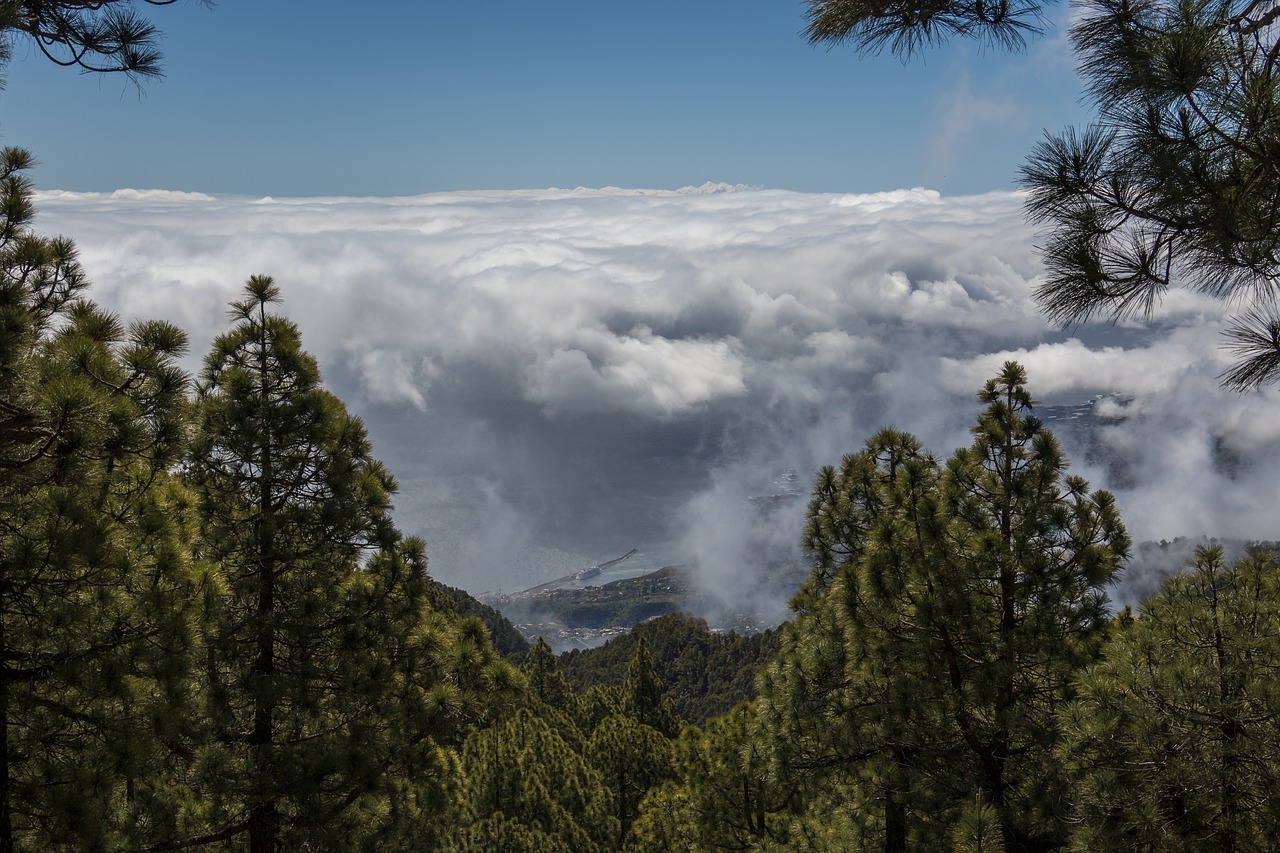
column 558, row 376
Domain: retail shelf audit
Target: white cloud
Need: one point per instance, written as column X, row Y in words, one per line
column 387, row 377
column 636, row 372
column 618, row 365
column 1150, row 370
column 160, row 195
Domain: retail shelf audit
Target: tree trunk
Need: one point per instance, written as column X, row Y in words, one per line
column 264, row 817
column 895, row 824
column 6, row 808
column 264, row 823
column 895, row 810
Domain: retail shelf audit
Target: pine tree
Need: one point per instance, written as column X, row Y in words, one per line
column 978, row 829
column 547, row 685
column 1175, row 184
column 948, row 610
column 94, row 564
column 845, row 703
column 1173, row 741
column 631, row 758
column 331, row 685
column 706, row 674
column 722, row 797
column 527, row 788
column 643, row 697
column 1021, row 606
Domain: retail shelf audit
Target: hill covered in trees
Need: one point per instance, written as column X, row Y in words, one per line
column 705, row 673
column 506, row 638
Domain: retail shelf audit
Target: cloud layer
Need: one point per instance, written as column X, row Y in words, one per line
column 558, row 376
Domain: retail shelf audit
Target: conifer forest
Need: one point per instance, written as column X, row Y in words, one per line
column 213, row 636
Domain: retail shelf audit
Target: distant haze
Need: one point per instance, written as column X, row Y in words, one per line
column 558, row 376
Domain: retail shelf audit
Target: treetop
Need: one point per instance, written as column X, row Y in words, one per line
column 260, row 291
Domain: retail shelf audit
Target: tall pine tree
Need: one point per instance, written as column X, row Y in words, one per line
column 332, row 686
column 94, row 570
column 948, row 611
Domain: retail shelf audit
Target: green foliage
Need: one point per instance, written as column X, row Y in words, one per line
column 947, row 612
column 498, row 833
column 598, row 702
column 723, row 797
column 643, row 697
column 547, row 684
column 977, row 829
column 1176, row 184
column 506, row 638
column 330, row 684
column 705, row 674
column 567, row 771
column 524, row 782
column 841, row 816
column 1173, row 740
column 631, row 758
column 95, row 569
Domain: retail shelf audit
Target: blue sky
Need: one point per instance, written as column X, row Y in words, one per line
column 282, row 98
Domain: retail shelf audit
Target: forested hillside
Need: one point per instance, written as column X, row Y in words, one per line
column 705, row 673
column 506, row 639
